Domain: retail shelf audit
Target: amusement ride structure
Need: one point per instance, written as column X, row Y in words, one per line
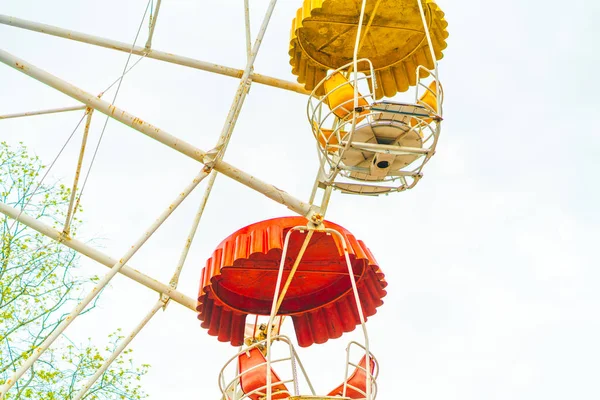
column 350, row 57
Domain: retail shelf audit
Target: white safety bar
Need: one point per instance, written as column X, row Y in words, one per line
column 370, row 377
column 232, row 389
column 278, row 297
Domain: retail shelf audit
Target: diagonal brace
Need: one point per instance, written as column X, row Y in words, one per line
column 158, row 134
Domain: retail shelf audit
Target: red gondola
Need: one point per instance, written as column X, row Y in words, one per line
column 239, row 279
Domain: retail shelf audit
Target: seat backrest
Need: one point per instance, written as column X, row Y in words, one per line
column 428, row 100
column 256, row 379
column 339, row 94
column 357, row 381
column 327, row 137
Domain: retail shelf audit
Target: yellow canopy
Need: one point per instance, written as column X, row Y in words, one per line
column 324, row 32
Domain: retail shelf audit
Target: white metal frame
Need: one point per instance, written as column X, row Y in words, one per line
column 149, row 53
column 349, row 363
column 292, row 358
column 212, row 164
column 280, row 293
column 212, row 161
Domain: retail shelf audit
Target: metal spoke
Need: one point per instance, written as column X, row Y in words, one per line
column 43, row 112
column 155, row 54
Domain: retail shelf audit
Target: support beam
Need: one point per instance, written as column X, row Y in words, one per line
column 100, row 284
column 42, row 112
column 71, row 211
column 158, row 134
column 155, row 54
column 153, row 24
column 117, row 352
column 98, row 256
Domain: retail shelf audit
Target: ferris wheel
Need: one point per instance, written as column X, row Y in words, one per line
column 350, row 57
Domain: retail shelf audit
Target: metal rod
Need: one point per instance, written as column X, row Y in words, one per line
column 100, row 285
column 188, row 243
column 433, row 58
column 248, row 31
column 153, row 24
column 427, row 35
column 42, row 112
column 245, row 81
column 155, row 54
column 371, row 18
column 86, row 131
column 288, row 281
column 98, row 256
column 240, row 95
column 286, row 243
column 122, row 345
column 156, row 133
column 387, row 148
column 358, row 306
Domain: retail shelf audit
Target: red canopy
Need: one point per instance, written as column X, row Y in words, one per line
column 239, row 279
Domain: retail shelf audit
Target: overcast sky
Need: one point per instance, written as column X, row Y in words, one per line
column 491, row 260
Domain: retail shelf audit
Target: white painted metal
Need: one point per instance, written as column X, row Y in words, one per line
column 153, row 24
column 42, row 112
column 100, row 285
column 193, row 229
column 245, row 81
column 225, row 136
column 432, row 52
column 248, row 31
column 122, row 345
column 156, row 133
column 229, row 385
column 155, row 54
column 98, row 256
column 242, row 91
column 286, row 286
column 86, row 131
column 349, row 363
column 277, row 297
column 286, row 243
column 358, row 306
column 387, row 149
column 212, row 160
column 222, row 144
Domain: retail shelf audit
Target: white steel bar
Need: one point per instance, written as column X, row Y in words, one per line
column 427, row 35
column 288, row 281
column 242, row 89
column 211, row 182
column 240, row 95
column 371, row 18
column 358, row 306
column 100, row 285
column 42, row 112
column 388, row 148
column 98, row 256
column 153, row 24
column 188, row 243
column 156, row 133
column 86, row 131
column 248, row 32
column 155, row 54
column 286, row 243
column 433, row 58
column 124, row 343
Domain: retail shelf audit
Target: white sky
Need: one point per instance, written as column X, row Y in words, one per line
column 490, row 259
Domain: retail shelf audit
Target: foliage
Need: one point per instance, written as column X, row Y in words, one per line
column 39, row 285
